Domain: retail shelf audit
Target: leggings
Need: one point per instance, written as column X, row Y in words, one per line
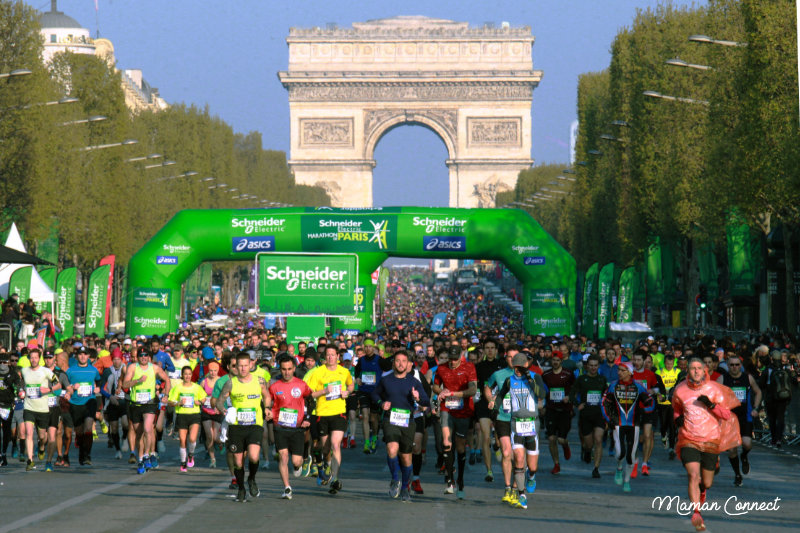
column 666, row 421
column 626, row 440
column 5, row 432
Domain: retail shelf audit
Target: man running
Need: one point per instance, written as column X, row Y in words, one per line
column 558, row 416
column 484, row 370
column 647, row 379
column 53, row 400
column 399, row 394
column 456, row 384
column 251, row 405
column 39, row 383
column 669, row 378
column 747, row 392
column 332, row 384
column 291, row 418
column 502, row 423
column 117, row 404
column 587, row 394
column 368, row 375
column 10, row 385
column 702, row 410
column 526, row 391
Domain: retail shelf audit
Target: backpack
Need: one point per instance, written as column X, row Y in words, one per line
column 782, row 387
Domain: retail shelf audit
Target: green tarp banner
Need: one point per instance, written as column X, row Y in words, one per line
column 709, row 275
column 625, row 295
column 509, row 235
column 306, row 329
column 668, row 270
column 65, row 301
column 655, row 278
column 95, row 320
column 48, row 275
column 589, row 316
column 605, row 284
column 20, row 283
column 742, row 259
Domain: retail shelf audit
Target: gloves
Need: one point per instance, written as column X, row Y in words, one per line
column 679, row 422
column 705, row 401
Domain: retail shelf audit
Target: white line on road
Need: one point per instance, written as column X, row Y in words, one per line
column 168, row 520
column 41, row 515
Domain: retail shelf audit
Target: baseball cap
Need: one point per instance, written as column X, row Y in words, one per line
column 627, row 365
column 557, row 353
column 116, row 353
column 347, row 357
column 49, row 355
column 127, row 342
column 520, row 359
column 454, row 352
column 369, row 342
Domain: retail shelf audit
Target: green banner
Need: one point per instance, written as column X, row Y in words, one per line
column 153, row 308
column 655, row 278
column 348, row 233
column 590, row 301
column 96, row 301
column 48, row 275
column 306, row 329
column 625, row 297
column 742, row 259
column 605, row 283
column 709, row 275
column 47, row 249
column 65, row 301
column 549, row 310
column 20, row 283
column 312, row 284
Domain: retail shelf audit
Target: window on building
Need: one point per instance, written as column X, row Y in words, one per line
column 53, row 38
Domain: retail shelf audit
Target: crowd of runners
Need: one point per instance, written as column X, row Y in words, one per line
column 479, row 391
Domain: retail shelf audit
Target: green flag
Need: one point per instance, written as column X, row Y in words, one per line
column 65, row 301
column 48, row 275
column 709, row 276
column 605, row 282
column 96, row 301
column 20, row 283
column 625, row 296
column 655, row 278
column 590, row 300
column 741, row 259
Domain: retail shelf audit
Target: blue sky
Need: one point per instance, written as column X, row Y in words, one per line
column 227, row 55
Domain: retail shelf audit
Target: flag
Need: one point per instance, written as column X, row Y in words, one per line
column 109, row 260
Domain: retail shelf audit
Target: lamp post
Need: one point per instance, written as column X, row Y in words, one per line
column 126, row 142
column 93, row 118
column 656, row 94
column 159, row 165
column 721, row 42
column 676, row 62
column 15, row 73
column 143, row 158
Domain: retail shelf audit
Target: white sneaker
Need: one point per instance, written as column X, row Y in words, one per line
column 287, row 493
column 298, row 471
column 118, row 455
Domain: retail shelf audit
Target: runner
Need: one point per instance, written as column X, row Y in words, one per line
column 10, row 385
column 400, row 394
column 250, row 401
column 647, row 379
column 209, row 416
column 526, row 391
column 705, row 428
column 140, row 378
column 117, row 404
column 84, row 382
column 456, row 384
column 55, row 408
column 186, row 398
column 587, row 394
column 291, row 417
column 39, row 382
column 502, row 423
column 368, row 375
column 748, row 393
column 624, row 404
column 558, row 416
column 669, row 378
column 484, row 370
column 331, row 384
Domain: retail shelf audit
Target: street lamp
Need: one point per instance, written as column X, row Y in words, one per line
column 143, row 158
column 619, row 123
column 565, row 178
column 607, row 137
column 676, row 62
column 594, row 152
column 93, row 118
column 126, row 142
column 656, row 94
column 708, row 40
column 164, row 164
column 16, row 72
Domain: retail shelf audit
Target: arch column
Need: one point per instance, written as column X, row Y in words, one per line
column 347, row 182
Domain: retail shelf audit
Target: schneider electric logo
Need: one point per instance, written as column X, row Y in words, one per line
column 440, row 225
column 524, row 249
column 147, row 322
column 316, row 279
column 259, row 225
column 355, row 230
column 177, row 249
column 253, row 244
column 440, row 243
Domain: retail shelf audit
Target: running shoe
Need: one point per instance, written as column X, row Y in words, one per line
column 287, row 493
column 147, row 464
column 450, row 488
column 498, row 453
column 41, row 455
column 22, row 457
column 596, row 473
column 233, row 484
column 567, row 452
column 190, row 461
column 671, row 455
column 417, row 487
column 328, row 470
column 241, row 496
column 645, row 469
column 66, row 461
column 664, row 442
column 635, row 471
column 132, row 459
column 59, row 461
column 297, row 471
column 154, row 461
column 353, row 442
column 306, row 468
column 48, row 467
column 618, row 477
column 104, row 426
column 87, row 461
column 394, row 488
column 522, row 502
column 737, row 482
column 405, row 495
column 611, row 452
column 530, row 486
column 489, row 476
column 626, row 487
column 140, row 469
column 460, row 493
column 322, row 479
column 4, row 461
column 586, row 455
column 745, row 465
column 472, row 457
column 183, row 467
column 506, row 495
column 314, row 470
column 513, row 498
column 254, row 492
column 124, row 446
column 30, row 466
column 118, row 455
column 212, row 463
column 336, row 486
column 14, row 452
column 94, row 434
column 367, row 447
column 556, row 469
column 697, row 521
column 374, row 445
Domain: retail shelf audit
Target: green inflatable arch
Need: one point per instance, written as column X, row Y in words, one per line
column 546, row 270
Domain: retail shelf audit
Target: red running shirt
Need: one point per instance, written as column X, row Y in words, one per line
column 288, row 402
column 455, row 381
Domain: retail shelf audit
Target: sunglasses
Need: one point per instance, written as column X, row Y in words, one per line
column 735, row 364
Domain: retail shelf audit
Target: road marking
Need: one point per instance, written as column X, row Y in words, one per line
column 41, row 515
column 168, row 520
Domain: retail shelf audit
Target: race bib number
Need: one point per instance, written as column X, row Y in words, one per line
column 399, row 417
column 556, row 395
column 334, row 391
column 368, row 378
column 5, row 413
column 142, row 396
column 121, row 394
column 207, row 402
column 593, row 397
column 175, row 374
column 507, row 404
column 187, row 401
column 84, row 390
column 524, row 427
column 33, row 391
column 453, row 403
column 741, row 393
column 52, row 401
column 287, row 417
column 477, row 397
column 246, row 417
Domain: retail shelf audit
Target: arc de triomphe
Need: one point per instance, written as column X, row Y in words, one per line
column 471, row 86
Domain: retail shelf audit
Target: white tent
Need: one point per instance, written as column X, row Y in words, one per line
column 13, row 241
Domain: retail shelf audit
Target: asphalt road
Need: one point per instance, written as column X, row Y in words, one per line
column 111, row 497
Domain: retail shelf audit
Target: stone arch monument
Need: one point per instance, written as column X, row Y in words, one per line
column 471, row 86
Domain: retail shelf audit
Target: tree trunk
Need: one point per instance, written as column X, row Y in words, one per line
column 791, row 298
